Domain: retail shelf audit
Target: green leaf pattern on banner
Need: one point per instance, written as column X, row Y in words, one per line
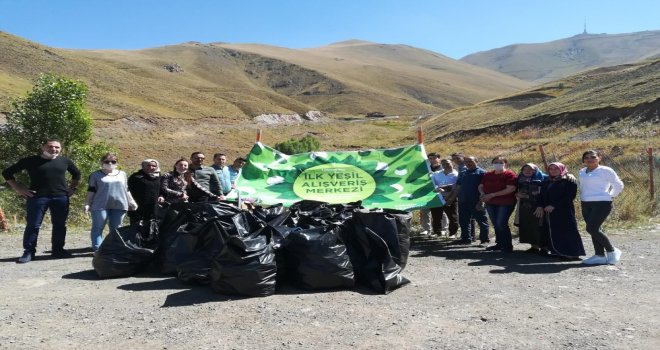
column 401, row 176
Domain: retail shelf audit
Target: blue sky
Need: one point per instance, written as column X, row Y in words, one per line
column 451, row 27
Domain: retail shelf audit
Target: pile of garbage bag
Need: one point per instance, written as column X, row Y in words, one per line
column 253, row 252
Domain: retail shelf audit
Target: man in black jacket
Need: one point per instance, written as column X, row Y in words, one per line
column 48, row 190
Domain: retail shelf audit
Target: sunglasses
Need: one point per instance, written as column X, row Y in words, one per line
column 109, row 162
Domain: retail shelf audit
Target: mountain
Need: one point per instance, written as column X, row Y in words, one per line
column 560, row 58
column 622, row 101
column 194, row 80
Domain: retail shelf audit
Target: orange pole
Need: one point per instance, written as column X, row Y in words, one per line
column 258, row 135
column 3, row 222
column 420, row 137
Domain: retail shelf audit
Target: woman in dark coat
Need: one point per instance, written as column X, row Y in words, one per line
column 144, row 185
column 530, row 227
column 556, row 208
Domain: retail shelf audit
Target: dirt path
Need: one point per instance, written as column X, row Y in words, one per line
column 459, row 298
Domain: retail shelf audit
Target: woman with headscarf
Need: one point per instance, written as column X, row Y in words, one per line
column 175, row 185
column 144, row 184
column 530, row 180
column 556, row 208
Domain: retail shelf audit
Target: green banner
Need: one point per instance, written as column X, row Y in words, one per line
column 395, row 178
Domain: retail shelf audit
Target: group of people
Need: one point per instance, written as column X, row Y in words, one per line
column 111, row 194
column 543, row 205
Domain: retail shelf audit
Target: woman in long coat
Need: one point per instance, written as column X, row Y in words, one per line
column 556, row 208
column 530, row 227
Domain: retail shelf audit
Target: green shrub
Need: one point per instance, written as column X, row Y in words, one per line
column 306, row 144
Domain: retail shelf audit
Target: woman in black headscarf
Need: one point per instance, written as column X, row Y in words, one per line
column 556, row 208
column 144, row 185
column 530, row 180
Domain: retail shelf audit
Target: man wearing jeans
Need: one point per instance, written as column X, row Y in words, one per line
column 48, row 191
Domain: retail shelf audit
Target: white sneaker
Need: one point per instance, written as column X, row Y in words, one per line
column 424, row 233
column 595, row 260
column 613, row 257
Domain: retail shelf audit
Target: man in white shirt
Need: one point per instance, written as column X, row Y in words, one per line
column 444, row 182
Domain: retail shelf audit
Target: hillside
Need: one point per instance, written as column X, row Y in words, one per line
column 241, row 81
column 544, row 62
column 620, row 101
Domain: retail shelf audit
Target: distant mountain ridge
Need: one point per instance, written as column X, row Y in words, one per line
column 238, row 82
column 543, row 62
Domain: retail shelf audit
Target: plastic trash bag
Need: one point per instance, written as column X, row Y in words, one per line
column 120, row 254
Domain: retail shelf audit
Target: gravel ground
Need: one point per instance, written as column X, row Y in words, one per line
column 460, row 298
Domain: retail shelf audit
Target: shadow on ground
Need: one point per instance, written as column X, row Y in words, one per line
column 515, row 262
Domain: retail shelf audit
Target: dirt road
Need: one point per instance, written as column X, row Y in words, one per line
column 460, row 298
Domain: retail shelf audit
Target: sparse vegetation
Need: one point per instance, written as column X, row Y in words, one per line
column 306, row 144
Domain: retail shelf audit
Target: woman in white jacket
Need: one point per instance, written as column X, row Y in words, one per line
column 598, row 187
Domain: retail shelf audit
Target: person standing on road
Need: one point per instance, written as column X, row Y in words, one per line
column 469, row 207
column 431, row 220
column 108, row 198
column 555, row 207
column 530, row 226
column 222, row 171
column 205, row 176
column 144, row 185
column 444, row 182
column 175, row 185
column 48, row 190
column 599, row 185
column 497, row 192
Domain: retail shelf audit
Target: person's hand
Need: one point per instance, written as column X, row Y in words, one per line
column 26, row 192
column 538, row 212
column 549, row 209
column 71, row 191
column 132, row 206
column 521, row 195
column 161, row 199
column 571, row 178
column 184, row 197
column 219, row 198
column 438, row 189
column 486, row 197
column 86, row 209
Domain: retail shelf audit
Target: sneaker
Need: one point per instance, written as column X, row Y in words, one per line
column 595, row 260
column 493, row 248
column 613, row 257
column 484, row 244
column 424, row 233
column 61, row 254
column 25, row 258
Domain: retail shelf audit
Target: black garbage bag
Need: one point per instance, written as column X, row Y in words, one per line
column 120, row 254
column 393, row 226
column 269, row 213
column 370, row 256
column 317, row 259
column 241, row 224
column 193, row 251
column 148, row 237
column 245, row 266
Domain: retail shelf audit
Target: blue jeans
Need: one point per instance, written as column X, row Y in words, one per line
column 466, row 212
column 35, row 210
column 113, row 217
column 499, row 216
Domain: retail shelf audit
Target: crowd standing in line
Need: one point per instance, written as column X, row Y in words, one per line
column 545, row 203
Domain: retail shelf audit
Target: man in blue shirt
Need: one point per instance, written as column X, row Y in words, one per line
column 235, row 170
column 222, row 170
column 470, row 207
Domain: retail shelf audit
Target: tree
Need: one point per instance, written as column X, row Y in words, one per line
column 54, row 109
column 306, row 144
